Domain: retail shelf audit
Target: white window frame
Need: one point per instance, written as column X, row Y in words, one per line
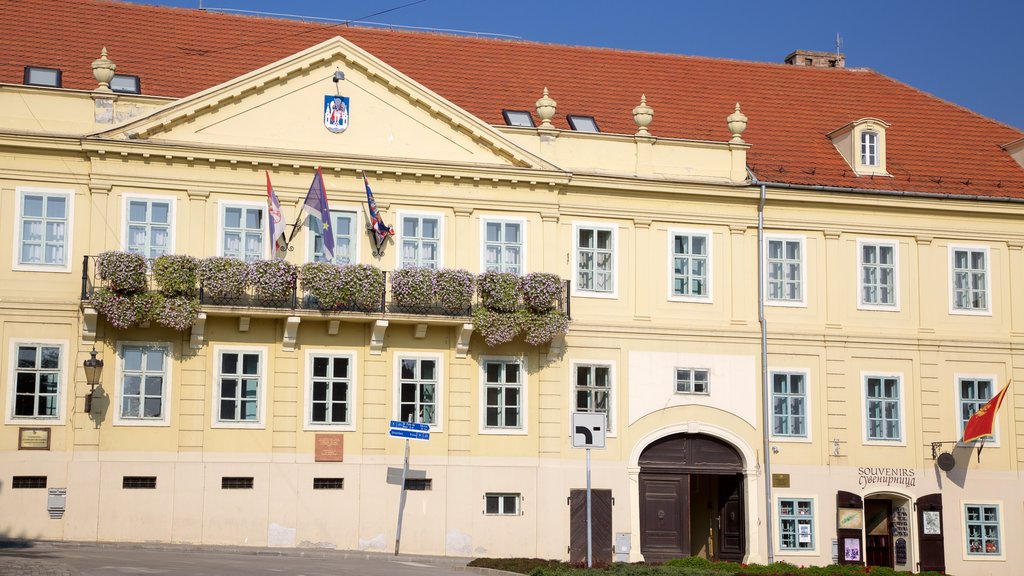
column 706, row 298
column 693, row 381
column 523, row 428
column 260, row 422
column 353, row 388
column 69, row 196
column 223, row 205
column 987, row 310
column 869, row 148
column 62, row 385
column 356, row 235
column 484, row 221
column 591, row 293
column 813, row 549
column 877, row 243
column 900, row 409
column 400, row 217
column 501, row 497
column 166, row 399
column 802, row 240
column 1001, row 526
column 396, row 388
column 992, row 441
column 172, row 214
column 808, row 436
column 612, row 418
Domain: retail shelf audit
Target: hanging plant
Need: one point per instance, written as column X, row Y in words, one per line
column 122, row 310
column 175, row 312
column 123, row 272
column 453, row 290
column 499, row 291
column 176, row 274
column 541, row 328
column 273, row 279
column 322, row 281
column 224, row 277
column 540, row 290
column 413, row 287
column 496, row 327
column 361, row 287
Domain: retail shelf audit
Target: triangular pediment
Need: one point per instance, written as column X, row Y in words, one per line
column 281, row 108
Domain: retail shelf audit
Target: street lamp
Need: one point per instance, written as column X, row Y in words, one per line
column 93, row 368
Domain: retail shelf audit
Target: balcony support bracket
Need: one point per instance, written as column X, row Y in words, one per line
column 462, row 345
column 291, row 333
column 377, row 338
column 90, row 317
column 198, row 331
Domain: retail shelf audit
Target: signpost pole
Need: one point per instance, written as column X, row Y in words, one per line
column 590, row 530
column 401, row 500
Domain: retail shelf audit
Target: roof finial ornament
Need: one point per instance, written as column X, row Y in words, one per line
column 103, row 71
column 737, row 124
column 642, row 115
column 546, row 110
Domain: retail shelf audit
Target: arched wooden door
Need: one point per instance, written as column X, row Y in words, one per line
column 674, row 472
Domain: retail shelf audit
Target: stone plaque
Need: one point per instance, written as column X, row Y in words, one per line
column 780, row 480
column 33, row 438
column 330, row 448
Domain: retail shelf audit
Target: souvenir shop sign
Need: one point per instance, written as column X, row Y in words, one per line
column 868, row 476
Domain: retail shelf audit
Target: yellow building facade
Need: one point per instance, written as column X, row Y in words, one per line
column 888, row 319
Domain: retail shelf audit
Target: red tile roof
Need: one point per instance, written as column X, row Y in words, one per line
column 933, row 146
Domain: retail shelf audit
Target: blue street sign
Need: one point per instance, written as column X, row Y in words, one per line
column 410, row 425
column 415, row 435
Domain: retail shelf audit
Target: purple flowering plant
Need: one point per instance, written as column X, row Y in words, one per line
column 499, row 291
column 224, row 277
column 122, row 310
column 540, row 290
column 175, row 312
column 362, row 286
column 322, row 280
column 176, row 274
column 453, row 289
column 497, row 327
column 413, row 286
column 123, row 271
column 273, row 279
column 541, row 328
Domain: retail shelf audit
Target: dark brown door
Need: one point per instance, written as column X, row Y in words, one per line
column 664, row 516
column 601, row 534
column 730, row 518
column 850, row 549
column 879, row 534
column 930, row 533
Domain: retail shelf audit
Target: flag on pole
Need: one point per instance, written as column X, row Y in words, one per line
column 982, row 422
column 316, row 206
column 380, row 229
column 276, row 220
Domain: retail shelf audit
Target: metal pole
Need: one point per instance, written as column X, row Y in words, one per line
column 766, row 397
column 590, row 531
column 401, row 499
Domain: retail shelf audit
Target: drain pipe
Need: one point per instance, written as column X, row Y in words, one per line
column 765, row 385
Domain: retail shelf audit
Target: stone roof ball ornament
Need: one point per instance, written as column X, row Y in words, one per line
column 546, row 110
column 642, row 115
column 737, row 124
column 103, row 71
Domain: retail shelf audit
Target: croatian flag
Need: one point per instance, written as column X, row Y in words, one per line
column 380, row 229
column 276, row 220
column 316, row 206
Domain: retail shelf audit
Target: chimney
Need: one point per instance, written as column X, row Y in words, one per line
column 816, row 59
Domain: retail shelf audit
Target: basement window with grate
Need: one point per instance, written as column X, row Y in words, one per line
column 328, row 483
column 236, row 483
column 138, row 482
column 28, row 482
column 418, row 484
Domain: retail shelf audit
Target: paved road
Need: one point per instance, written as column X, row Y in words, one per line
column 61, row 559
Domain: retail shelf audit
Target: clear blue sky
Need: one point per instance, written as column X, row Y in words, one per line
column 968, row 52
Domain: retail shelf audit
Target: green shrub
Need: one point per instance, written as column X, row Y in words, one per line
column 176, row 274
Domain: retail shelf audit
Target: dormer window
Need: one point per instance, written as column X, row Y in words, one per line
column 125, row 84
column 39, row 76
column 519, row 118
column 583, row 123
column 869, row 148
column 862, row 145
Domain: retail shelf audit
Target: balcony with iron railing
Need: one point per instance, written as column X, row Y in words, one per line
column 293, row 302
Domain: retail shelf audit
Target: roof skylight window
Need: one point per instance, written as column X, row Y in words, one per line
column 125, row 84
column 520, row 118
column 583, row 123
column 39, row 76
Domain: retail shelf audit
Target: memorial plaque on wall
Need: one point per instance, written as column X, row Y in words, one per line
column 780, row 480
column 33, row 438
column 330, row 448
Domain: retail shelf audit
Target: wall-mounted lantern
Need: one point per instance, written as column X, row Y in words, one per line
column 93, row 369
